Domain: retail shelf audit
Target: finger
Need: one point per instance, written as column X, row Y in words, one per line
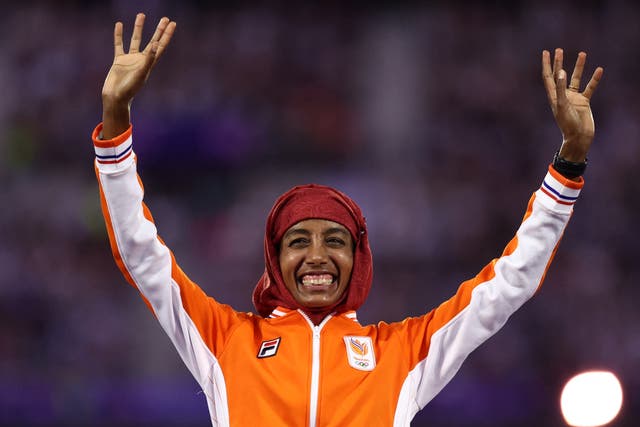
column 136, row 37
column 557, row 61
column 117, row 39
column 547, row 79
column 576, row 76
column 162, row 24
column 561, row 88
column 166, row 38
column 593, row 83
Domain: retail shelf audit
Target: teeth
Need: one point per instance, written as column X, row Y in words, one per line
column 317, row 279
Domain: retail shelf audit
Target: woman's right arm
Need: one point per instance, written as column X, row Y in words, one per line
column 196, row 324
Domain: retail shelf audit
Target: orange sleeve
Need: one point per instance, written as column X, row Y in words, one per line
column 438, row 342
column 197, row 324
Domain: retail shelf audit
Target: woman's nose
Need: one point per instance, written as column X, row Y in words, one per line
column 317, row 254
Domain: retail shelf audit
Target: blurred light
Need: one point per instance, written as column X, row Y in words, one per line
column 591, row 399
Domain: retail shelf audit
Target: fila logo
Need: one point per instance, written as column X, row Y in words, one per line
column 269, row 348
column 360, row 353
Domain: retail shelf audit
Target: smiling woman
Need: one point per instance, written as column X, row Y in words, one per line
column 305, row 359
column 316, row 258
column 316, row 247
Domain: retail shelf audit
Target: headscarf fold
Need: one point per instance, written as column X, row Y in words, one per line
column 313, row 201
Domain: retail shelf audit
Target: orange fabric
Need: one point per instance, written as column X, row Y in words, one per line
column 576, row 185
column 555, row 249
column 267, row 386
column 114, row 245
column 436, row 319
column 109, row 143
column 276, row 390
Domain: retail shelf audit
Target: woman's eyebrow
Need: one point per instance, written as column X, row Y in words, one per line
column 305, row 232
column 336, row 230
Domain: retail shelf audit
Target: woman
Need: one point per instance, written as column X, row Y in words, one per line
column 305, row 359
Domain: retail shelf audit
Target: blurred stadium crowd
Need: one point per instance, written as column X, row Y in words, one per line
column 432, row 116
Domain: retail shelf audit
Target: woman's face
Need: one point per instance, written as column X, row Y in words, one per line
column 316, row 259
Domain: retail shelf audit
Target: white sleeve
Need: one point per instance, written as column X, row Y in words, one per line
column 482, row 305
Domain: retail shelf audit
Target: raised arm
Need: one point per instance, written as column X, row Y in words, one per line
column 442, row 339
column 196, row 324
column 129, row 72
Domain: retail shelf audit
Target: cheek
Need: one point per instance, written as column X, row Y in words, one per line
column 346, row 264
column 288, row 263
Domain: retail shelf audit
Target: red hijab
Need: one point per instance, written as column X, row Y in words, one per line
column 318, row 202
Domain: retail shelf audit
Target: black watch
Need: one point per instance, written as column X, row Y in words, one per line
column 568, row 169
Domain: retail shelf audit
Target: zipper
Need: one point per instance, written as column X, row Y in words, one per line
column 315, row 367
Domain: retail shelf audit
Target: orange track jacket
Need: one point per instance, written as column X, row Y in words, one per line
column 285, row 371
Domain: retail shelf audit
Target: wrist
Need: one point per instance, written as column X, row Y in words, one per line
column 574, row 149
column 115, row 119
column 568, row 168
column 114, row 103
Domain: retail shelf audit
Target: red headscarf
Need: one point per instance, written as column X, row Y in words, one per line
column 319, row 202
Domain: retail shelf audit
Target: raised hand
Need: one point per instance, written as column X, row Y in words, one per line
column 130, row 71
column 570, row 107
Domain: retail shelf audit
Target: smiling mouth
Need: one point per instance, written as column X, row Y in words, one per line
column 317, row 281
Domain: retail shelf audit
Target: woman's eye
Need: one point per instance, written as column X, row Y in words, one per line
column 300, row 241
column 335, row 241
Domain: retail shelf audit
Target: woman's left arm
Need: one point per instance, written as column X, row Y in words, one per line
column 440, row 341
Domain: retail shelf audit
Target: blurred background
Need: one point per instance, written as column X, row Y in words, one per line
column 431, row 115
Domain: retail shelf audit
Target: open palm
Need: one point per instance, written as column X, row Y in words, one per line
column 571, row 108
column 131, row 70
